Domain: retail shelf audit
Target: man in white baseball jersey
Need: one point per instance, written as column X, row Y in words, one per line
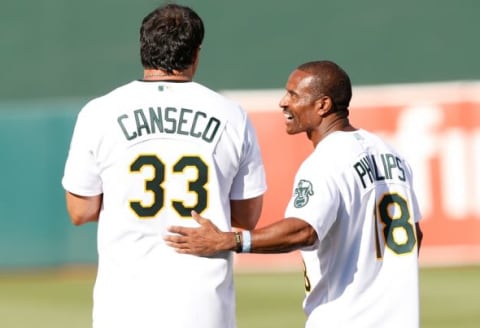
column 142, row 157
column 353, row 213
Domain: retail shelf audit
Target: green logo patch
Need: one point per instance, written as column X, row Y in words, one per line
column 303, row 191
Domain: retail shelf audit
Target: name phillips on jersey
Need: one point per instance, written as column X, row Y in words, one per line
column 369, row 169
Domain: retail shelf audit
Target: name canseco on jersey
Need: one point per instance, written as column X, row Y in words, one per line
column 169, row 120
column 369, row 169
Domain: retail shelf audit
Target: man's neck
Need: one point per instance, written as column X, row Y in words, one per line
column 338, row 124
column 161, row 75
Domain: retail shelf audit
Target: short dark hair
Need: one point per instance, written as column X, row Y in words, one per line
column 330, row 80
column 170, row 37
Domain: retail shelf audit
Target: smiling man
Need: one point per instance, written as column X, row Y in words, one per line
column 353, row 213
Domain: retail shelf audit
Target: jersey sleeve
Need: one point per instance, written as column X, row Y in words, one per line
column 315, row 199
column 81, row 174
column 250, row 179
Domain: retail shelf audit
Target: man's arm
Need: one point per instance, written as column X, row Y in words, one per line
column 83, row 209
column 280, row 237
column 245, row 213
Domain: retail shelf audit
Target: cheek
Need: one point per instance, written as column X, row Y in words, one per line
column 306, row 116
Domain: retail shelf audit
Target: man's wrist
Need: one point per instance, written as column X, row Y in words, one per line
column 243, row 241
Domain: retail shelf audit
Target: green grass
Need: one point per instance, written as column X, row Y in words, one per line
column 450, row 297
column 267, row 300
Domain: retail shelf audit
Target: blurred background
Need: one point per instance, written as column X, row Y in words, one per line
column 414, row 67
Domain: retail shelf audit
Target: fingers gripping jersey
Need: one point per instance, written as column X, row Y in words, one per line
column 157, row 151
column 356, row 191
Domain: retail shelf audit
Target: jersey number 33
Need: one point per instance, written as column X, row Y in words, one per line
column 154, row 185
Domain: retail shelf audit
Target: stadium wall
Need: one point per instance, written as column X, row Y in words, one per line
column 437, row 126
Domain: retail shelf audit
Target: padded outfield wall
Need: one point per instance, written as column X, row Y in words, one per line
column 436, row 126
column 56, row 55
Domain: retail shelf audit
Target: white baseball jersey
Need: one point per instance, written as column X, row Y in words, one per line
column 356, row 191
column 156, row 151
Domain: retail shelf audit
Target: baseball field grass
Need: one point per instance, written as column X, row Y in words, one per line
column 450, row 297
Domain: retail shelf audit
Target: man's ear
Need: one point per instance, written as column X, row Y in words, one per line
column 324, row 105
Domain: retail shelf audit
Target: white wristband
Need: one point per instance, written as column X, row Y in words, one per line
column 246, row 241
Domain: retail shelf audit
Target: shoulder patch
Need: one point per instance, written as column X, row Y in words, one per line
column 303, row 191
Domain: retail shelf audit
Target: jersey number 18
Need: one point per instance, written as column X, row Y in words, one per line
column 398, row 231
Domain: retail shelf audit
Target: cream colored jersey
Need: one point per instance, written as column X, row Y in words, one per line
column 157, row 151
column 356, row 191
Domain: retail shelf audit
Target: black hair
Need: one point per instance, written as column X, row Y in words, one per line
column 170, row 37
column 330, row 80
